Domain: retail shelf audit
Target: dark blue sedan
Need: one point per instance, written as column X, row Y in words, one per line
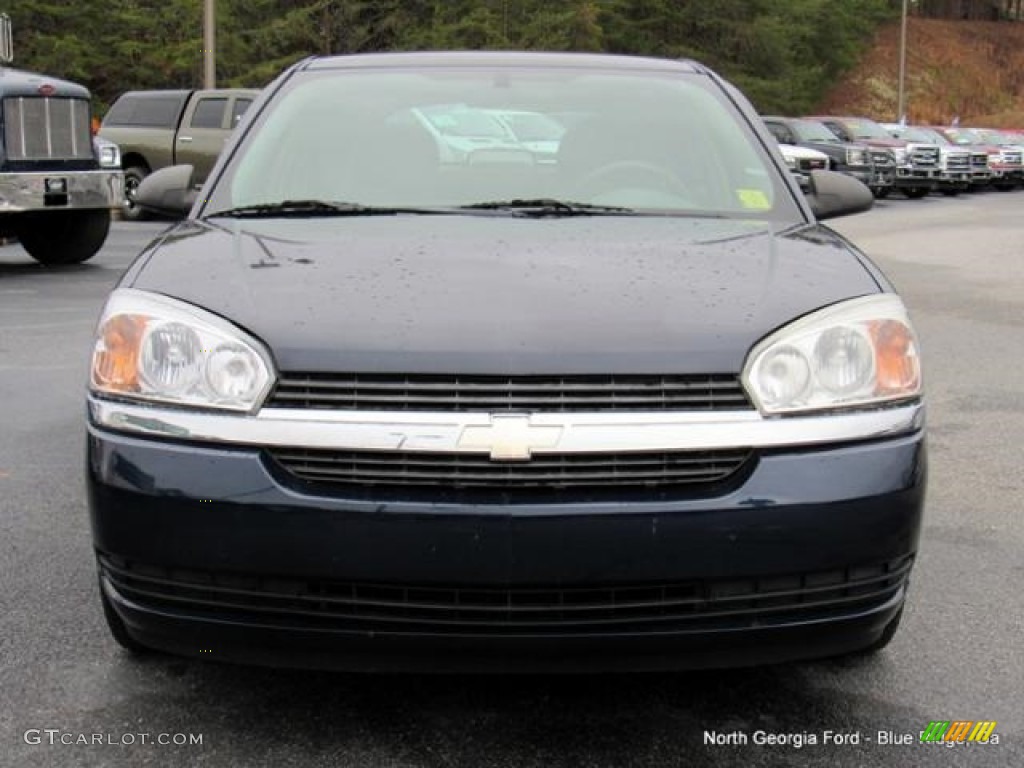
column 378, row 405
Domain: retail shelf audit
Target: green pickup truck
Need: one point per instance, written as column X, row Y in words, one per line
column 156, row 129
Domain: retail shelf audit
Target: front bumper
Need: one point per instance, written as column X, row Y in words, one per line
column 1006, row 173
column 868, row 176
column 955, row 178
column 213, row 551
column 82, row 189
column 913, row 176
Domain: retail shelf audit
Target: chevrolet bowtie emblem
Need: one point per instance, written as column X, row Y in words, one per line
column 510, row 437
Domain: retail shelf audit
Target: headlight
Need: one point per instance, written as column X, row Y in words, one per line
column 856, row 157
column 151, row 347
column 900, row 154
column 853, row 354
column 110, row 156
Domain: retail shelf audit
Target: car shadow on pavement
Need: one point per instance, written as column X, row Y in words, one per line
column 265, row 716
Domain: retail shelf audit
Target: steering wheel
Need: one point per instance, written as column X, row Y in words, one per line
column 631, row 174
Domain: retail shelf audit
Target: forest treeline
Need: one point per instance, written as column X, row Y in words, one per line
column 783, row 53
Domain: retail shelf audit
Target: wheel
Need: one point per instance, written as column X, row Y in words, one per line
column 881, row 192
column 630, row 173
column 132, row 178
column 63, row 237
column 950, row 191
column 915, row 193
column 118, row 629
column 1003, row 186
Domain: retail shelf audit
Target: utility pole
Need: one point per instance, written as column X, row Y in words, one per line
column 210, row 44
column 901, row 99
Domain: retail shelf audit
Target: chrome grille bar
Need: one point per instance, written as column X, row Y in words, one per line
column 497, row 393
column 46, row 128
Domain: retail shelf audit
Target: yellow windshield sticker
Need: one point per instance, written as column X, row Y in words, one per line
column 754, row 198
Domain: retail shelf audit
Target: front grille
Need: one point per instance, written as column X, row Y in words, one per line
column 46, row 128
column 583, row 609
column 383, row 392
column 812, row 163
column 551, row 472
column 1011, row 157
column 882, row 158
column 979, row 160
column 924, row 156
column 958, row 161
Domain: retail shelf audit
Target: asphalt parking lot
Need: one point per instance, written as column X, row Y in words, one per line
column 959, row 264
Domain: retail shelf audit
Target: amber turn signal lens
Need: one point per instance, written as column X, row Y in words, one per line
column 115, row 360
column 896, row 357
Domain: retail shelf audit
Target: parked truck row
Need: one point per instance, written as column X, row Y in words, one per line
column 915, row 160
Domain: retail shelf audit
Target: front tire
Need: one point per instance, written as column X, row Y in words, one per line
column 916, row 193
column 132, row 178
column 56, row 238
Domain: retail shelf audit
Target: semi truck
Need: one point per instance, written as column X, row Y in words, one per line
column 55, row 195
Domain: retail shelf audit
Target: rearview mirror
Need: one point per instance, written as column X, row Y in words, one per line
column 169, row 191
column 833, row 194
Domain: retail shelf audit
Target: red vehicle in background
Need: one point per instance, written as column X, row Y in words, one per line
column 1005, row 158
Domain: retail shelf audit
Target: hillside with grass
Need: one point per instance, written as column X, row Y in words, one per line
column 973, row 70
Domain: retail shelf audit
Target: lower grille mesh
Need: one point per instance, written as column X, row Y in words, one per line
column 580, row 610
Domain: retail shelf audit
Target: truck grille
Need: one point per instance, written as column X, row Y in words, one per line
column 958, row 161
column 387, row 392
column 485, row 609
column 924, row 156
column 812, row 163
column 46, row 128
column 883, row 158
column 1011, row 157
column 554, row 471
column 979, row 160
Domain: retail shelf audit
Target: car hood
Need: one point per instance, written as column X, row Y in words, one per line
column 828, row 147
column 500, row 295
column 802, row 152
column 889, row 143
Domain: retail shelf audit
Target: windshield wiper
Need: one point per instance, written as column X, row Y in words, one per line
column 544, row 206
column 300, row 208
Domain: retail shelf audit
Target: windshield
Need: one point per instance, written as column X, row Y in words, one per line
column 964, row 136
column 932, row 135
column 1001, row 137
column 917, row 134
column 458, row 137
column 866, row 129
column 808, row 130
column 532, row 126
column 463, row 122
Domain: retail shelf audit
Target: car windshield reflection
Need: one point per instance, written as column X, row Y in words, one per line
column 643, row 142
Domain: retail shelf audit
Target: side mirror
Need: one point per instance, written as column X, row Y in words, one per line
column 833, row 194
column 169, row 191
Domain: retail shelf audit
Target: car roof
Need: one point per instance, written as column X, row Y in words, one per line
column 501, row 58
